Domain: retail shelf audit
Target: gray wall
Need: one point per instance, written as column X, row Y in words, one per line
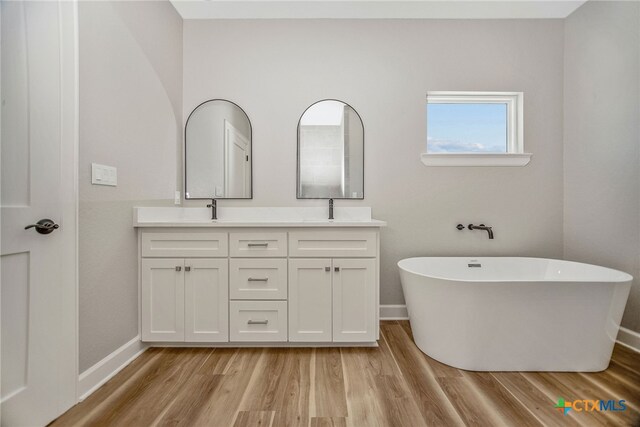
column 383, row 68
column 133, row 107
column 602, row 140
column 131, row 118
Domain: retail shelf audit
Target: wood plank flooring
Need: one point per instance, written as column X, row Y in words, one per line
column 392, row 385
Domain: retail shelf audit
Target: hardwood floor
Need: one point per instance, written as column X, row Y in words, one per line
column 392, row 385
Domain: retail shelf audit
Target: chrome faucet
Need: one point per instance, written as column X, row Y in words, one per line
column 482, row 227
column 214, row 209
column 330, row 208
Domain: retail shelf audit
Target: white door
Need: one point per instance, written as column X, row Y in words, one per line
column 354, row 300
column 309, row 300
column 237, row 180
column 206, row 300
column 38, row 140
column 162, row 297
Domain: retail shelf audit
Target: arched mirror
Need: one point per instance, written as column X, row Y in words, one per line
column 218, row 152
column 330, row 152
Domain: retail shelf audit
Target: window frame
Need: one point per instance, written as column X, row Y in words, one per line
column 515, row 155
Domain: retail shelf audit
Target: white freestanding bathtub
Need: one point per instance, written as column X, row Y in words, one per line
column 514, row 314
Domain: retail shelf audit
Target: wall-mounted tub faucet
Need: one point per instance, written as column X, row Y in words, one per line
column 214, row 209
column 482, row 227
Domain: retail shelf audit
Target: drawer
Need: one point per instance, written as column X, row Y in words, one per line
column 268, row 245
column 184, row 244
column 360, row 243
column 259, row 321
column 258, row 278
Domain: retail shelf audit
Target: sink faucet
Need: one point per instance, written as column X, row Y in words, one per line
column 482, row 227
column 330, row 208
column 214, row 209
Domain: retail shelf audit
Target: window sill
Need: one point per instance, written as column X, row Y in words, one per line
column 475, row 159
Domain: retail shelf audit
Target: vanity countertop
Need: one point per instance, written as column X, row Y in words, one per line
column 254, row 217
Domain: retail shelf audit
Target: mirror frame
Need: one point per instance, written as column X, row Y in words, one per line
column 184, row 153
column 298, row 155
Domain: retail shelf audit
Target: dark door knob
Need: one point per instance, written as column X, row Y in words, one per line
column 44, row 226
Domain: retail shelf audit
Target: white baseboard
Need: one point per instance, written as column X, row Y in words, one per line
column 393, row 312
column 629, row 338
column 91, row 379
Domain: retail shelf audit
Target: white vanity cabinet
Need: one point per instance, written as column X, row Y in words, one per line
column 280, row 283
column 333, row 299
column 258, row 285
column 184, row 299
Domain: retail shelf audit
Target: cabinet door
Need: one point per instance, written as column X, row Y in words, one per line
column 206, row 300
column 309, row 300
column 354, row 300
column 162, row 296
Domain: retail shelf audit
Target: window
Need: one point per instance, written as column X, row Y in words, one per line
column 475, row 129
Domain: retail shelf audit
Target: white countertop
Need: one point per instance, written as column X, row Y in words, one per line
column 254, row 217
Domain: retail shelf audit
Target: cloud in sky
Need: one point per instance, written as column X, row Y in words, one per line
column 435, row 145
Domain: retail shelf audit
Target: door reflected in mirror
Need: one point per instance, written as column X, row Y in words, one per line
column 218, row 152
column 330, row 152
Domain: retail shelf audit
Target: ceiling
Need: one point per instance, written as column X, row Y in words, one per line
column 375, row 9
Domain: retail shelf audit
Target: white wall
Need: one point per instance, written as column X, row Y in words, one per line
column 130, row 117
column 275, row 69
column 602, row 140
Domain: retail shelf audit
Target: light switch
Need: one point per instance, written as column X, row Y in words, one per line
column 104, row 175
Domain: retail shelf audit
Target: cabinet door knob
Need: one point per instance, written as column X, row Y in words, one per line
column 187, row 268
column 327, row 269
column 178, row 268
column 336, row 269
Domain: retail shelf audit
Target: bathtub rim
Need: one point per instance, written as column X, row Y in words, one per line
column 625, row 278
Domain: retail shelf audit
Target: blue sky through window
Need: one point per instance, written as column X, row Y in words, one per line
column 467, row 128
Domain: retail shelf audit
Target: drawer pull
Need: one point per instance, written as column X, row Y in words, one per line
column 258, row 279
column 327, row 269
column 178, row 268
column 258, row 245
column 187, row 268
column 336, row 269
column 258, row 322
